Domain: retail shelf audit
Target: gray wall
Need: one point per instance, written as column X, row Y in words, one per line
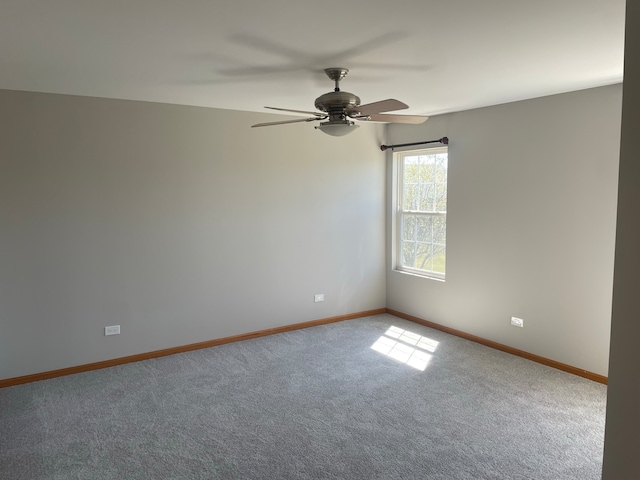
column 531, row 225
column 180, row 224
column 623, row 414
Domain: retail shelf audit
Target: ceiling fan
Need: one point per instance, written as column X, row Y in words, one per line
column 340, row 108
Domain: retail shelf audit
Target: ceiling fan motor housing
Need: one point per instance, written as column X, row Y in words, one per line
column 337, row 102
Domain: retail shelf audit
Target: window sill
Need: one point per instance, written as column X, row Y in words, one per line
column 425, row 275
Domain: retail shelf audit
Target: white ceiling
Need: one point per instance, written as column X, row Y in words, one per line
column 436, row 55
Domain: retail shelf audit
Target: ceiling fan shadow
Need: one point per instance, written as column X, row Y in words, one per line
column 295, row 60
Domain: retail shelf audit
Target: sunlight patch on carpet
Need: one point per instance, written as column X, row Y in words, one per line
column 406, row 347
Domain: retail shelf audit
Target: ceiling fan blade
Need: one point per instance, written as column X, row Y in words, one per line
column 385, row 117
column 389, row 105
column 267, row 124
column 297, row 111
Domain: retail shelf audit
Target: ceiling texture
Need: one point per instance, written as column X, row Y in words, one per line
column 438, row 56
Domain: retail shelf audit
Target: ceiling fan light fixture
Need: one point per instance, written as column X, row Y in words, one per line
column 337, row 129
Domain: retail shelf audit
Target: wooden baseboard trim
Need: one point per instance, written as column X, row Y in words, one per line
column 9, row 382
column 504, row 348
column 297, row 326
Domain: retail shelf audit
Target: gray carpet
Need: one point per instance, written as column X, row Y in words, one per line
column 318, row 403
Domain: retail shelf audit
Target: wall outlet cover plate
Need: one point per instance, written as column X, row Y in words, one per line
column 112, row 330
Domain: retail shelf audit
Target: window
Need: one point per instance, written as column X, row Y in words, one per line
column 421, row 214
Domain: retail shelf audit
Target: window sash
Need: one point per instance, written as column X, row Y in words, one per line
column 421, row 252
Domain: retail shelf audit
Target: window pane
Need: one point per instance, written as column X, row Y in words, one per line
column 441, row 197
column 427, row 169
column 439, row 229
column 427, row 197
column 438, row 258
column 411, row 167
column 424, row 256
column 424, row 229
column 411, row 194
column 409, row 254
column 409, row 227
column 441, row 168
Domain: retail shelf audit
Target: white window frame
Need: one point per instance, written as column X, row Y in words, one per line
column 400, row 213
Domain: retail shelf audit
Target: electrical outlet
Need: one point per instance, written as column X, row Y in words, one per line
column 318, row 297
column 517, row 322
column 112, row 330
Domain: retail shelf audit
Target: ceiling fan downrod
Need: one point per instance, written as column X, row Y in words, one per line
column 336, row 74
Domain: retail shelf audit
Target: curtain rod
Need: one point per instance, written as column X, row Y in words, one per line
column 443, row 140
